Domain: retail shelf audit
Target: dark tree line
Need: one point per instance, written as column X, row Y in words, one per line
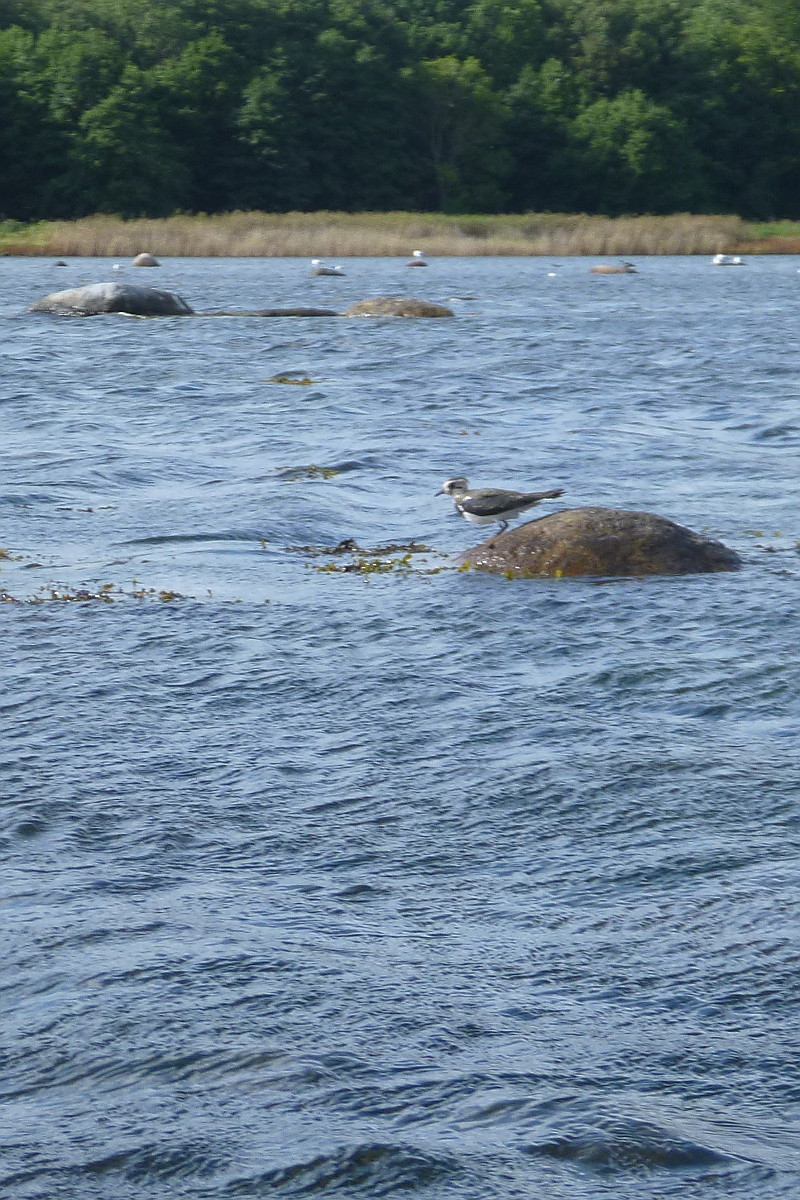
column 148, row 107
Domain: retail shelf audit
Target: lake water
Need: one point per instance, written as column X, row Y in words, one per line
column 406, row 883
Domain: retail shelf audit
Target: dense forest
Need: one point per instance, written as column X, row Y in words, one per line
column 148, row 107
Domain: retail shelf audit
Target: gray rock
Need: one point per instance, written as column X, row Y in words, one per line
column 113, row 298
column 600, row 541
column 145, row 260
column 397, row 306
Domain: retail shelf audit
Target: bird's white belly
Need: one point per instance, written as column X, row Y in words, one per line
column 476, row 520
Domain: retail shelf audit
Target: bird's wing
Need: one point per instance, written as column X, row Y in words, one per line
column 489, row 503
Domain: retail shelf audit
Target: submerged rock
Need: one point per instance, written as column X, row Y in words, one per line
column 279, row 312
column 397, row 306
column 145, row 260
column 600, row 541
column 296, row 312
column 113, row 298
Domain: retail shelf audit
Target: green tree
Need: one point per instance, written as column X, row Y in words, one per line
column 542, row 106
column 126, row 162
column 506, row 37
column 75, row 69
column 359, row 122
column 630, row 154
column 744, row 102
column 274, row 166
column 462, row 125
column 195, row 95
column 31, row 147
column 621, row 45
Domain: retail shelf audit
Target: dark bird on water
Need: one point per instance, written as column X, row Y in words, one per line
column 488, row 506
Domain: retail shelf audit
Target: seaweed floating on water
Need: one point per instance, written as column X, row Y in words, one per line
column 308, row 471
column 378, row 560
column 107, row 593
column 369, row 566
column 157, row 594
column 411, row 547
column 294, row 381
column 351, row 546
column 80, row 596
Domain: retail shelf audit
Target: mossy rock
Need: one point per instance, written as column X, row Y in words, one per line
column 397, row 306
column 600, row 542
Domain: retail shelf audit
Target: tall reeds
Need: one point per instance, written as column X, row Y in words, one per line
column 341, row 235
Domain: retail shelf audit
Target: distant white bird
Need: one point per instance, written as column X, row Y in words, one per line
column 727, row 260
column 320, row 268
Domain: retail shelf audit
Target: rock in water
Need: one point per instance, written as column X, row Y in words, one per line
column 145, row 260
column 397, row 306
column 113, row 298
column 600, row 541
column 609, row 269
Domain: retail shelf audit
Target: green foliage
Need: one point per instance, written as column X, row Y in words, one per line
column 461, row 131
column 127, row 157
column 630, row 153
column 138, row 107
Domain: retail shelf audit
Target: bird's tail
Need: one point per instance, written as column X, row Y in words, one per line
column 532, row 497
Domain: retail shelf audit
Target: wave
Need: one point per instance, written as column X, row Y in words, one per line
column 374, row 1169
column 628, row 1144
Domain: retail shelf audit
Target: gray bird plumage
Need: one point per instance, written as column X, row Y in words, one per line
column 488, row 506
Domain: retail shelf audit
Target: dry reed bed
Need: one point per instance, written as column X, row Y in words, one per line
column 771, row 245
column 343, row 235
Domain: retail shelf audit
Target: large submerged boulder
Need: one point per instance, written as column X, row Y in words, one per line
column 600, row 541
column 113, row 298
column 145, row 260
column 397, row 306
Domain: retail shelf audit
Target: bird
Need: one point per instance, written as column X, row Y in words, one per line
column 321, row 268
column 488, row 506
column 417, row 259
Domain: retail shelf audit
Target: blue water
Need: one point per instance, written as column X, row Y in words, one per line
column 416, row 883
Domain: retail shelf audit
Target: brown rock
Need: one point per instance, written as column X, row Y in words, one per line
column 610, row 269
column 600, row 541
column 397, row 306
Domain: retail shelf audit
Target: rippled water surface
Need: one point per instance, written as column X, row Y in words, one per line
column 411, row 882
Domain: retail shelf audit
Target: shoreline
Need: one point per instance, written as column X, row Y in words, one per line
column 395, row 235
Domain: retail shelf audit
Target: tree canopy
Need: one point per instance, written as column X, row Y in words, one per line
column 602, row 106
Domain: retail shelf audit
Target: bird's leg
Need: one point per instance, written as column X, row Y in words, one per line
column 502, row 529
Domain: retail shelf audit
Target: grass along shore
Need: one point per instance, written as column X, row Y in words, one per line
column 343, row 235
